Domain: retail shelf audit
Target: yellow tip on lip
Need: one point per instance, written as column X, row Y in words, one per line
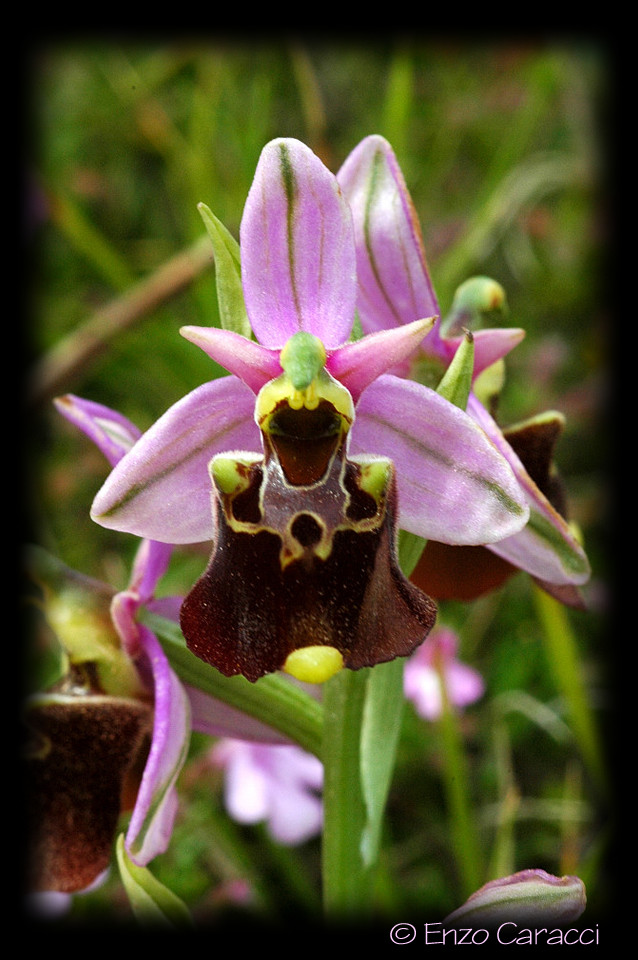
column 314, row 664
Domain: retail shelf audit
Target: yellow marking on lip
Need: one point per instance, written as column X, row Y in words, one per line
column 314, row 664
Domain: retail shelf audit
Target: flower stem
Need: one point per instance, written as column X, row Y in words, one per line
column 361, row 727
column 362, row 722
column 455, row 774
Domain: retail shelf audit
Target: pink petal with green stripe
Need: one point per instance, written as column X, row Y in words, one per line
column 297, row 249
column 394, row 285
column 151, row 823
column 454, row 486
column 162, row 489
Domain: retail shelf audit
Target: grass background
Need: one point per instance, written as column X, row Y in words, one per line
column 504, row 149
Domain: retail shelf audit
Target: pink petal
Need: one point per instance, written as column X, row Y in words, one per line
column 162, row 489
column 150, row 565
column 297, row 247
column 111, row 432
column 249, row 361
column 152, row 819
column 453, row 484
column 546, row 547
column 489, row 346
column 394, row 285
column 357, row 364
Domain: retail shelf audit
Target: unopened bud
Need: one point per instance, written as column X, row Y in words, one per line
column 473, row 301
column 528, row 896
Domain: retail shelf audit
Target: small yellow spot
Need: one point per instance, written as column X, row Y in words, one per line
column 375, row 477
column 230, row 474
column 314, row 664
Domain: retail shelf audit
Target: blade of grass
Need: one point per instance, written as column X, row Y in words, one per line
column 565, row 664
column 88, row 241
column 398, row 102
column 72, row 353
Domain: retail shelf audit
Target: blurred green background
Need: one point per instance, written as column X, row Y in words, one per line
column 503, row 148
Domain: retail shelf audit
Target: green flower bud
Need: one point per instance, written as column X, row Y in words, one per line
column 474, row 301
column 78, row 611
column 529, row 896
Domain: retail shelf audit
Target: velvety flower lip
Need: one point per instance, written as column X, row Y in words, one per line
column 298, row 274
column 80, row 749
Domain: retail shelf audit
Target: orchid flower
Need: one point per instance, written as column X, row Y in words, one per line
column 279, row 784
column 120, row 695
column 394, row 289
column 303, row 575
column 117, row 696
column 434, row 663
column 114, row 435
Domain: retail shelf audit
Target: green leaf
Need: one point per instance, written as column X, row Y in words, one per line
column 562, row 651
column 152, row 903
column 273, row 699
column 456, row 382
column 380, row 728
column 346, row 878
column 363, row 711
column 410, row 549
column 230, row 294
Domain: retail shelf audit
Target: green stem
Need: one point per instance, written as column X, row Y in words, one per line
column 362, row 723
column 455, row 774
column 346, row 879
